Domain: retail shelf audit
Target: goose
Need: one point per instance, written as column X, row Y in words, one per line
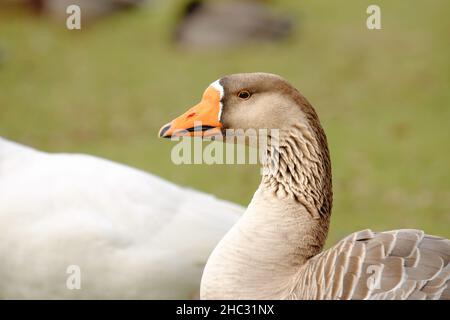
column 275, row 250
column 91, row 9
column 212, row 24
column 124, row 233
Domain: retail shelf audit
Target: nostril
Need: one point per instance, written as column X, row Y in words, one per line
column 191, row 115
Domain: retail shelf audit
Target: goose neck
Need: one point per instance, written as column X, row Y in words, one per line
column 285, row 224
column 298, row 166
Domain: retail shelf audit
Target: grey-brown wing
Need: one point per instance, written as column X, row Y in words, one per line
column 398, row 264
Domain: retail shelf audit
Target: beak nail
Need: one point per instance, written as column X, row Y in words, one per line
column 164, row 130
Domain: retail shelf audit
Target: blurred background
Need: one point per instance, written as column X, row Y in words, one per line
column 382, row 95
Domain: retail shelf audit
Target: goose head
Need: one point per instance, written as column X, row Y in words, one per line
column 245, row 101
column 299, row 166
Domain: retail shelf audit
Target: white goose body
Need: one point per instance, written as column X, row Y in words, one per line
column 275, row 251
column 132, row 234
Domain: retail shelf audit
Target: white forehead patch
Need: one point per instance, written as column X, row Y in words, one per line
column 216, row 85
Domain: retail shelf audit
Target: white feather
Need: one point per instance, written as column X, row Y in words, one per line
column 134, row 235
column 216, row 85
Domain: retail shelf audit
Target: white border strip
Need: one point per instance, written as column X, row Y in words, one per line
column 216, row 85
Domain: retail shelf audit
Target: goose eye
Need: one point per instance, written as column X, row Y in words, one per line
column 244, row 94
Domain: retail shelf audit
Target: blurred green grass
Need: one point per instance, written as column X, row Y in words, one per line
column 383, row 98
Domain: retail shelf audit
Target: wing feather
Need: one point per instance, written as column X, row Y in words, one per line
column 398, row 264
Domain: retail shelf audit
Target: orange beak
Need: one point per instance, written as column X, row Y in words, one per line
column 201, row 120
